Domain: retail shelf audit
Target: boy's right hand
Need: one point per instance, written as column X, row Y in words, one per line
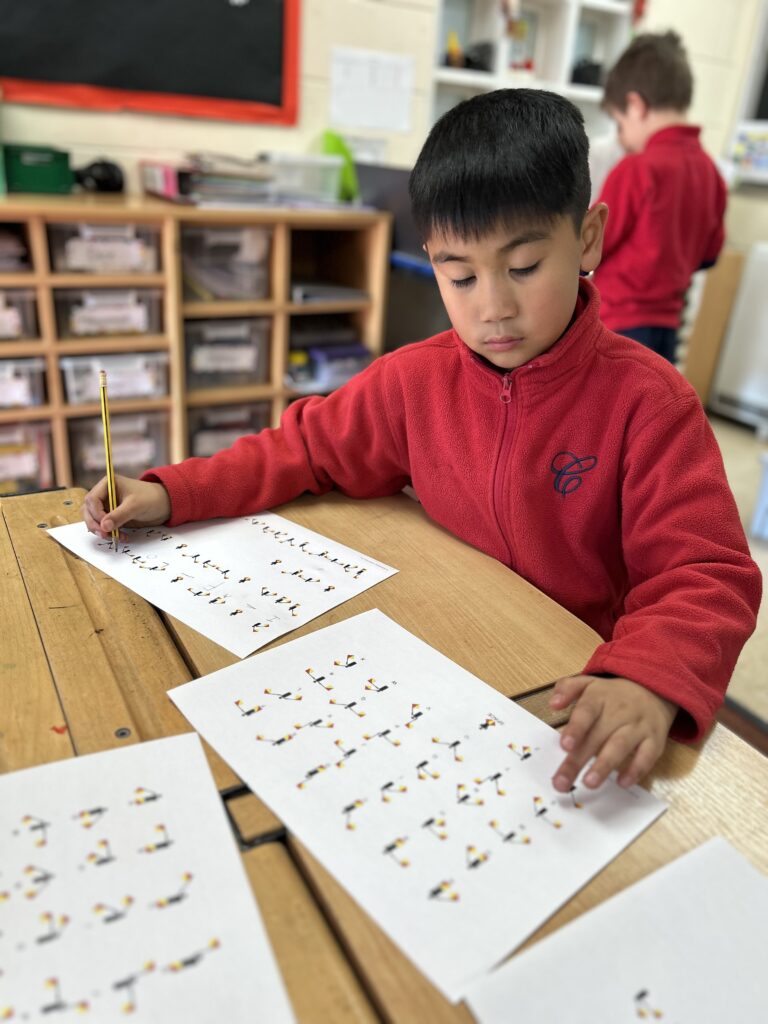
column 141, row 503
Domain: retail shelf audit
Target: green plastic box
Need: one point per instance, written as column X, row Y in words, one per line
column 37, row 169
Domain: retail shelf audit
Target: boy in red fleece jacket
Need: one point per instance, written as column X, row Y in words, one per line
column 576, row 457
column 665, row 199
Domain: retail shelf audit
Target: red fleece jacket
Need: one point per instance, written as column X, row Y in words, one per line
column 665, row 221
column 591, row 471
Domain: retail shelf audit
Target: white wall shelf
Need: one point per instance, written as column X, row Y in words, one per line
column 561, row 33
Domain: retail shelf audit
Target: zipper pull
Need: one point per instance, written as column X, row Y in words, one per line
column 505, row 395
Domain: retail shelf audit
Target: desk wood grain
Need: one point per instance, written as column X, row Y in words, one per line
column 321, row 984
column 33, row 726
column 111, row 659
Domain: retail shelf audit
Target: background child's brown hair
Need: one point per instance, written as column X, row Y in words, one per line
column 655, row 66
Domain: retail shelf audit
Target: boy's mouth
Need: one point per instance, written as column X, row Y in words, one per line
column 502, row 343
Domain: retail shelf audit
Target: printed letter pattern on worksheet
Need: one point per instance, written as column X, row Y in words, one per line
column 424, row 791
column 240, row 582
column 122, row 894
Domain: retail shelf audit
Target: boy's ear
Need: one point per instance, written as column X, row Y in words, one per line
column 636, row 105
column 592, row 232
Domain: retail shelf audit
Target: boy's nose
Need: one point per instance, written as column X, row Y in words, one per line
column 499, row 307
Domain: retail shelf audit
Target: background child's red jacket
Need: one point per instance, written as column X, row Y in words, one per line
column 665, row 221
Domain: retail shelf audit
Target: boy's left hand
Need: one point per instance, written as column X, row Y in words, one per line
column 621, row 724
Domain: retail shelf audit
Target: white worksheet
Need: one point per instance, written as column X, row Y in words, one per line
column 424, row 791
column 122, row 893
column 686, row 945
column 241, row 582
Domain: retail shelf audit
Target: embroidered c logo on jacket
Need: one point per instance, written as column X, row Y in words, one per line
column 568, row 469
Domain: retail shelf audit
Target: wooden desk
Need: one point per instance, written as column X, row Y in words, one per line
column 85, row 666
column 110, row 658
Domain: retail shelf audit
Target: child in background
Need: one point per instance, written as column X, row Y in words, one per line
column 572, row 455
column 665, row 199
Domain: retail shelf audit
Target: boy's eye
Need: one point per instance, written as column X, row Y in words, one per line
column 524, row 271
column 463, row 282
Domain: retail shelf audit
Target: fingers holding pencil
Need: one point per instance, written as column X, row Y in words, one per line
column 140, row 503
column 110, row 478
column 120, row 501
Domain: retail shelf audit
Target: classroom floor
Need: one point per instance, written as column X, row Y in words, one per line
column 741, row 454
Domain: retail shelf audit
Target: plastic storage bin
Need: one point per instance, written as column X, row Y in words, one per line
column 144, row 375
column 18, row 313
column 106, row 311
column 22, row 382
column 305, row 176
column 14, row 249
column 225, row 263
column 223, row 353
column 138, row 441
column 25, row 457
column 334, row 365
column 104, row 248
column 210, row 430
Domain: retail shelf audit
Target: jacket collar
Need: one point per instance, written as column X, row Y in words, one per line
column 675, row 133
column 571, row 349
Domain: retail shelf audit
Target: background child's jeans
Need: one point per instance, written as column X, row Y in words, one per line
column 660, row 339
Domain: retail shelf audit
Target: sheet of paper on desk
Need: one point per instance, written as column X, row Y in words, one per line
column 122, row 892
column 423, row 790
column 240, row 582
column 687, row 943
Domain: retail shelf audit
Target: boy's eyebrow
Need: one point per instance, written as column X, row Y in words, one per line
column 530, row 236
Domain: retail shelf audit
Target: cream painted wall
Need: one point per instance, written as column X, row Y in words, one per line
column 395, row 26
column 718, row 33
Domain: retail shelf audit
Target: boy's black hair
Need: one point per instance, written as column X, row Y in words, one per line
column 502, row 158
column 656, row 66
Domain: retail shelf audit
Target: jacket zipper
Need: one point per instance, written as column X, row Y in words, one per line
column 498, row 473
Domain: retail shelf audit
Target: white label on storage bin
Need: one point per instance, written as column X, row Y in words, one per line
column 221, row 236
column 18, row 465
column 110, row 298
column 129, row 383
column 224, row 358
column 104, row 255
column 108, row 231
column 208, row 442
column 220, row 417
column 12, row 435
column 254, row 245
column 15, row 391
column 226, row 332
column 126, row 425
column 98, row 319
column 10, row 322
column 126, row 451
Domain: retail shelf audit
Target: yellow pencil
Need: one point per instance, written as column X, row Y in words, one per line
column 111, row 485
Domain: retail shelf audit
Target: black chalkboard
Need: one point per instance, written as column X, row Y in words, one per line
column 219, row 49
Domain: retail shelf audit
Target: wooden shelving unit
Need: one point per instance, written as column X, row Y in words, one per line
column 353, row 248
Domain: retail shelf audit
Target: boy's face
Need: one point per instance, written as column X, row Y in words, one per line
column 511, row 295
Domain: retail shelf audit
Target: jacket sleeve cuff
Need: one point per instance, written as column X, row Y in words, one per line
column 182, row 505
